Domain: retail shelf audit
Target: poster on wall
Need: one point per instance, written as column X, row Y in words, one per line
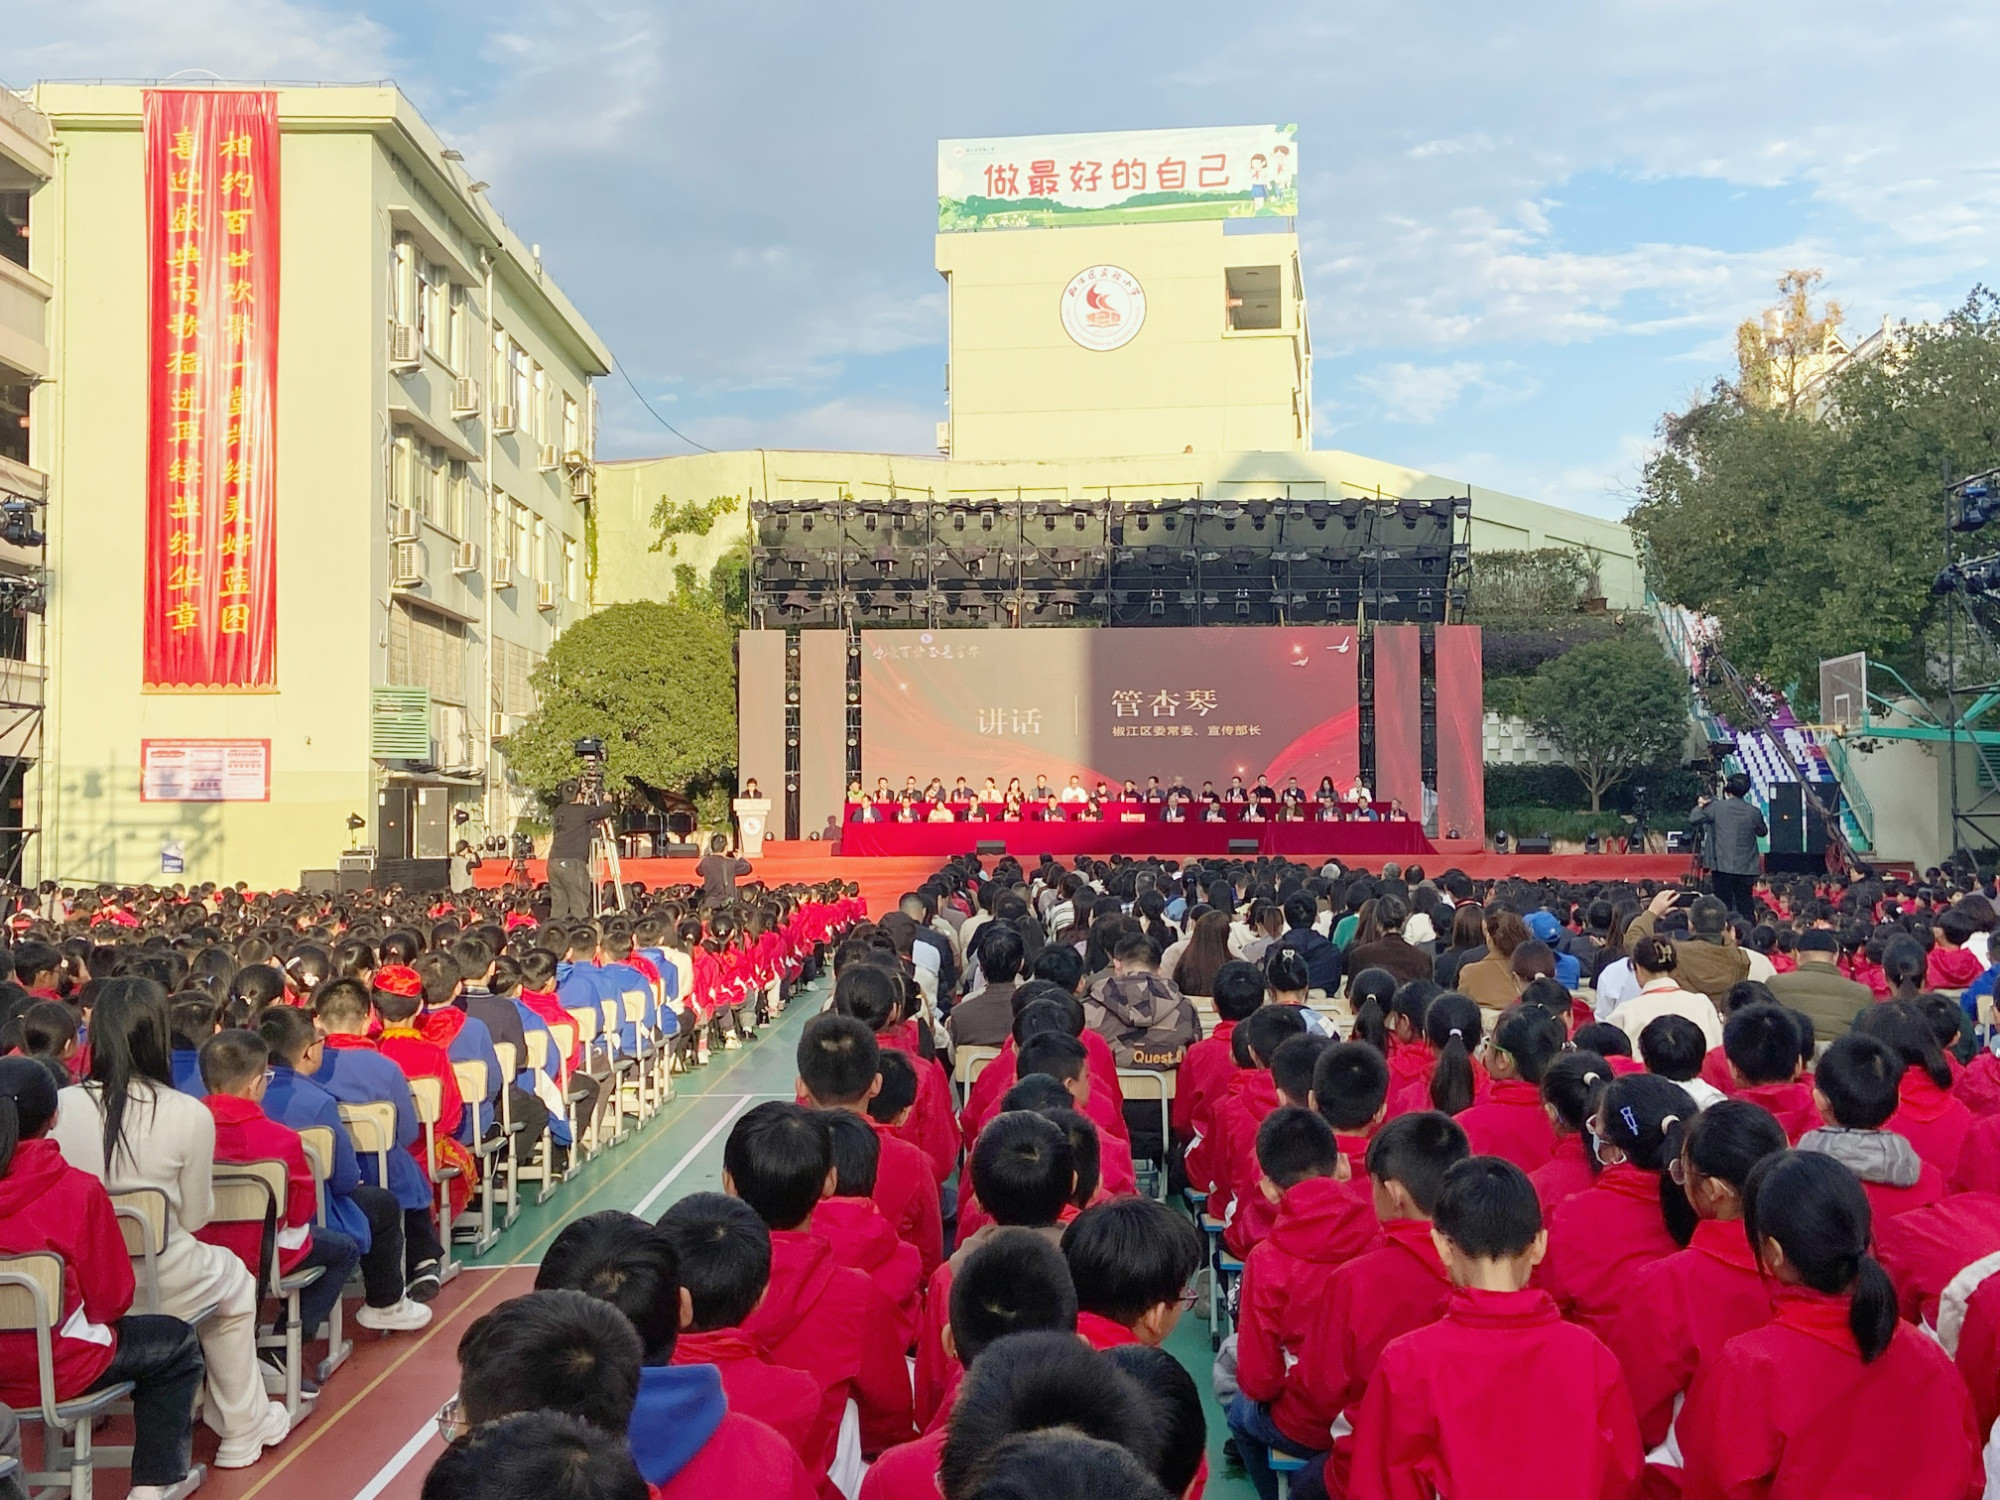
column 1118, row 177
column 205, row 770
column 211, row 479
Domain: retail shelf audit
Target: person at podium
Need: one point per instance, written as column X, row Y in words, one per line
column 1074, row 792
column 1293, row 795
column 961, row 791
column 941, row 812
column 1237, row 791
column 1213, row 813
column 1263, row 791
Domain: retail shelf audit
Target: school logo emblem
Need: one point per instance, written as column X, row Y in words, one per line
column 1103, row 307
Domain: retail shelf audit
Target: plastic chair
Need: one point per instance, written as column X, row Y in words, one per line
column 541, row 1166
column 255, row 1192
column 473, row 1087
column 1284, row 1466
column 967, row 1063
column 142, row 1219
column 589, row 1032
column 318, row 1141
column 31, row 1291
column 508, row 1193
column 1159, row 1083
column 428, row 1096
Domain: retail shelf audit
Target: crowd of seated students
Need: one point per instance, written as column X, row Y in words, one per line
column 1257, row 802
column 150, row 1041
column 1491, row 1241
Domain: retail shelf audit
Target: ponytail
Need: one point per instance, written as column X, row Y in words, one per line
column 1453, row 1026
column 27, row 1103
column 1816, row 1210
column 1533, row 1038
column 1371, row 1026
column 1676, row 1212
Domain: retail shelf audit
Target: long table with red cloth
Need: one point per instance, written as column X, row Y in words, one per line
column 1113, row 833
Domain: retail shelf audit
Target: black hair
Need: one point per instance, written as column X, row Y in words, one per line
column 1762, row 1043
column 838, row 1058
column 1747, row 992
column 1815, row 1209
column 1015, row 1281
column 536, row 1455
column 1350, row 1085
column 230, row 1057
column 778, row 1156
column 1532, row 1037
column 1086, row 1149
column 1022, row 1169
column 1055, row 1053
column 1453, row 1024
column 1286, row 972
column 1039, row 1092
column 857, row 1152
column 130, row 1041
column 868, row 992
column 27, row 1104
column 1238, row 990
column 1902, row 1027
column 1370, row 993
column 1417, row 1150
column 1571, row 1086
column 1294, row 1144
column 1178, row 1416
column 1033, row 1383
column 1487, row 1207
column 47, row 1026
column 287, row 1031
column 1128, row 1256
column 551, row 1351
column 1059, row 964
column 725, row 1257
column 1257, row 1040
column 899, row 1085
column 1673, row 1047
column 1295, row 1062
column 1862, row 1080
column 620, row 1259
column 1728, row 1139
column 1638, row 1111
column 1000, row 953
column 1602, row 1038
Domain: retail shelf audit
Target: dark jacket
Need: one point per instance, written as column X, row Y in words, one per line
column 1729, row 828
column 1322, row 958
column 1403, row 959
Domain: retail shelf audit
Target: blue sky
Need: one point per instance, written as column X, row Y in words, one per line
column 1528, row 230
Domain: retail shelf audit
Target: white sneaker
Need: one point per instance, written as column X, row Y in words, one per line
column 186, row 1487
column 241, row 1453
column 403, row 1316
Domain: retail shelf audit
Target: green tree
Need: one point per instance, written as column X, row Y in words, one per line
column 1807, row 537
column 1610, row 708
column 655, row 681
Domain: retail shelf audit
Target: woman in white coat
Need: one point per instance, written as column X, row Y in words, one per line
column 129, row 1127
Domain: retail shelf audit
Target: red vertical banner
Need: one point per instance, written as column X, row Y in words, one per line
column 1461, row 733
column 1399, row 724
column 212, row 385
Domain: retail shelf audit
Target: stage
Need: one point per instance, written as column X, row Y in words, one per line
column 883, row 880
column 1141, row 837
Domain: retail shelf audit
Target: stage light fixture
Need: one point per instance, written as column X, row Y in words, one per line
column 1974, row 501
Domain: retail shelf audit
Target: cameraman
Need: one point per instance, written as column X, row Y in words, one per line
column 569, row 854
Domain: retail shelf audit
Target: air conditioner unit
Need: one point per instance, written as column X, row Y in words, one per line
column 465, row 558
column 502, row 576
column 505, row 724
column 580, row 483
column 546, row 597
column 407, row 565
column 548, row 464
column 406, row 525
column 406, row 350
column 503, row 417
column 465, row 397
column 575, row 458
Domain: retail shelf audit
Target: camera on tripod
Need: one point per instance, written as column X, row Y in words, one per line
column 590, row 780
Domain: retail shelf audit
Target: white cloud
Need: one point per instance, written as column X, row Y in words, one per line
column 231, row 39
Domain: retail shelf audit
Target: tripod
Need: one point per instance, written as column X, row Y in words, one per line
column 604, row 858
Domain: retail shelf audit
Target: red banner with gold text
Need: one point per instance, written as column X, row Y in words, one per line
column 212, row 386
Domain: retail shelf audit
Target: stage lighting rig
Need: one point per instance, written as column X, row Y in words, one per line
column 17, row 523
column 1975, row 577
column 1974, row 501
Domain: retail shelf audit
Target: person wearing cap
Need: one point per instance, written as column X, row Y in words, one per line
column 1543, row 927
column 1817, row 988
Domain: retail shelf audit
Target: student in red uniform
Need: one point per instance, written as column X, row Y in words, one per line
column 852, row 1222
column 1253, row 1094
column 1350, row 1091
column 1510, row 1121
column 1179, row 1421
column 397, row 996
column 1092, row 1154
column 1016, row 1282
column 1569, row 1094
column 1855, row 1087
column 1453, row 1028
column 1928, row 1116
column 1131, row 1262
column 1599, row 1238
column 1403, row 1040
column 682, row 1409
column 48, row 1205
column 1680, row 1311
column 1284, row 1281
column 878, row 996
column 1952, row 965
column 818, row 1316
column 1807, row 1404
column 235, row 1067
column 1204, row 1072
column 725, row 1267
column 1763, row 1045
column 1386, row 1293
column 1446, row 1408
column 1023, row 1171
column 566, row 1351
column 840, row 1068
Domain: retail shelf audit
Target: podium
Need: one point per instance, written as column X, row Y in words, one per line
column 752, row 813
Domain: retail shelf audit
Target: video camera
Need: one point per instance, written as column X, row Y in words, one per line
column 590, row 778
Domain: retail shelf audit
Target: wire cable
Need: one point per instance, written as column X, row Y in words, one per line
column 619, row 365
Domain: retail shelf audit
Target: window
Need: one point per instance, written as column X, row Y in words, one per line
column 402, row 471
column 1254, row 297
column 503, row 528
column 572, row 585
column 456, row 344
column 13, row 418
column 540, row 551
column 457, row 482
column 524, row 555
column 519, row 384
column 403, row 262
column 14, row 227
column 539, row 426
column 434, row 292
column 572, row 430
column 427, row 650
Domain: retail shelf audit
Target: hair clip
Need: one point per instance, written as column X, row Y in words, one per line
column 1457, row 1033
column 1631, row 1120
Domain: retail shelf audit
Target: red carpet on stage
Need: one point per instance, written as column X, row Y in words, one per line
column 882, row 880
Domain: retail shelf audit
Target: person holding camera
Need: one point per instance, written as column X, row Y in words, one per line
column 576, row 820
column 1729, row 830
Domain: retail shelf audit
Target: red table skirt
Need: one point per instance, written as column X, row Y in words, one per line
column 1111, row 836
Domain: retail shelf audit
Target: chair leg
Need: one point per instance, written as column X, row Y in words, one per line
column 338, row 1346
column 294, row 1358
column 82, row 1473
